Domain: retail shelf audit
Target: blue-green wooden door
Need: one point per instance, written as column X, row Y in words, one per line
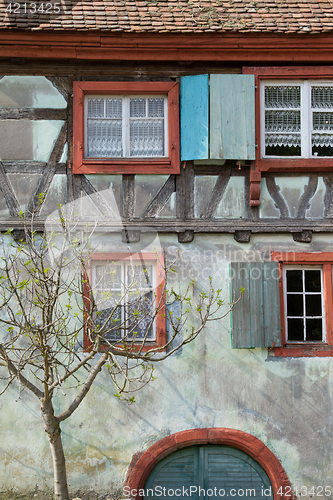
column 204, row 472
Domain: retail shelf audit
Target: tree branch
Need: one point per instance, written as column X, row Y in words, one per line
column 88, row 383
column 11, row 368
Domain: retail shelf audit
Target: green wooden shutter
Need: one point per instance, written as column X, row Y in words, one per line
column 256, row 318
column 230, row 469
column 177, row 471
column 232, row 119
column 194, row 117
column 208, row 467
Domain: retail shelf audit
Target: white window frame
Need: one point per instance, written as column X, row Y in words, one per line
column 285, row 293
column 306, row 114
column 126, row 123
column 124, row 265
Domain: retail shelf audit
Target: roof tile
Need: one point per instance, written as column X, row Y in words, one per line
column 285, row 16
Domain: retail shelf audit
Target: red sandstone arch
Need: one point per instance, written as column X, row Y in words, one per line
column 142, row 464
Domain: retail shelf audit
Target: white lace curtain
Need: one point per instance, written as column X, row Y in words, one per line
column 142, row 136
column 283, row 116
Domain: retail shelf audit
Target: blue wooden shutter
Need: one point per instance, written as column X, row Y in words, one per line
column 194, row 117
column 256, row 318
column 232, row 130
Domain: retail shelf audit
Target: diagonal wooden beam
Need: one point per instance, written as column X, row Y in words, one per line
column 217, row 194
column 161, row 198
column 274, row 191
column 43, row 186
column 328, row 199
column 309, row 191
column 99, row 201
column 62, row 84
column 7, row 190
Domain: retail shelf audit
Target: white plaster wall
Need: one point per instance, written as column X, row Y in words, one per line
column 284, row 402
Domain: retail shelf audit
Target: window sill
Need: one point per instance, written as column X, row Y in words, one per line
column 303, row 351
column 152, row 344
column 127, row 166
column 294, row 164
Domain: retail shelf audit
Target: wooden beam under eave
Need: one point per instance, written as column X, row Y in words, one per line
column 255, row 48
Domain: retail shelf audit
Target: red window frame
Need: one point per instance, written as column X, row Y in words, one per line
column 158, row 260
column 286, row 73
column 168, row 165
column 325, row 259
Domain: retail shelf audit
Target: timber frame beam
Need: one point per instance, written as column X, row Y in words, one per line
column 157, row 47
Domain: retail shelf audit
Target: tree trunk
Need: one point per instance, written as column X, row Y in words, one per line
column 53, row 431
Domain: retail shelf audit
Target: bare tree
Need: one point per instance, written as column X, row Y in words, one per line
column 63, row 320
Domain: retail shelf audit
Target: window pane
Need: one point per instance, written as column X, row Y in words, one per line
column 295, row 305
column 282, row 96
column 138, row 108
column 283, row 144
column 313, row 305
column 322, row 121
column 312, row 281
column 322, row 145
column 140, row 276
column 111, row 332
column 294, row 280
column 139, row 317
column 147, row 138
column 295, row 330
column 114, row 108
column 156, row 107
column 314, row 330
column 108, row 277
column 283, row 127
column 322, row 97
column 104, row 138
column 95, row 108
column 322, row 142
column 283, row 121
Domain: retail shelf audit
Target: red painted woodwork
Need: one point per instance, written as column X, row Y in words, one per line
column 142, row 465
column 169, row 165
column 289, row 72
column 255, row 185
column 158, row 259
column 314, row 349
column 281, row 164
column 228, row 47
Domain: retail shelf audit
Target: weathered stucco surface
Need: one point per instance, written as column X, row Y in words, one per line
column 284, row 402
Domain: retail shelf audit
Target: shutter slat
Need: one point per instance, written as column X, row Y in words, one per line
column 194, row 117
column 256, row 319
column 272, row 322
column 256, row 304
column 207, row 467
column 241, row 328
column 232, row 117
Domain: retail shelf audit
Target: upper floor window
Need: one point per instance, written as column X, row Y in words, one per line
column 297, row 118
column 126, row 127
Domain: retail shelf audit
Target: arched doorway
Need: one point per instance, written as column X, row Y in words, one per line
column 144, row 463
column 209, row 471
